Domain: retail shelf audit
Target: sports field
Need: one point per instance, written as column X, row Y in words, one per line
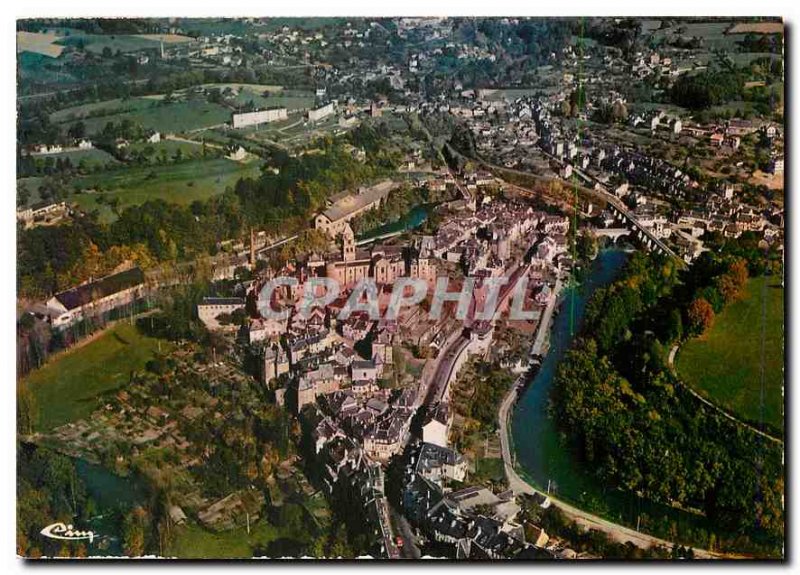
column 65, row 388
column 725, row 364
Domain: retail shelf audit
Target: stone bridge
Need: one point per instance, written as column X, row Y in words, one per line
column 623, row 215
column 613, row 233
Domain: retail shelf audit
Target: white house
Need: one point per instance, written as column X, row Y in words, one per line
column 437, row 425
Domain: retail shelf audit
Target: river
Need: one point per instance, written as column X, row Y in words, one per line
column 411, row 220
column 113, row 496
column 542, row 456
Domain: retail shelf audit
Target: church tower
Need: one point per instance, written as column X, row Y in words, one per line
column 348, row 244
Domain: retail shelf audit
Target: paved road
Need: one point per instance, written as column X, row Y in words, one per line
column 543, row 329
column 400, row 524
column 392, row 552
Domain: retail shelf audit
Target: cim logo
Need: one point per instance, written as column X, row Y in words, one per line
column 66, row 533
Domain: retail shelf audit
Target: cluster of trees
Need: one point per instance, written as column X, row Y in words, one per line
column 302, row 184
column 701, row 91
column 707, row 88
column 611, row 113
column 48, row 490
column 94, row 25
column 724, row 284
column 238, row 452
column 750, row 247
column 479, row 391
column 61, row 167
column 624, row 35
column 752, row 42
column 640, row 430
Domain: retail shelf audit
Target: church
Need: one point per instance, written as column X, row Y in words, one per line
column 382, row 263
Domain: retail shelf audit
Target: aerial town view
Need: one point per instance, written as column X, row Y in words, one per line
column 469, row 288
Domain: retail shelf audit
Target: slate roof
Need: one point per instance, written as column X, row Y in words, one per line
column 109, row 285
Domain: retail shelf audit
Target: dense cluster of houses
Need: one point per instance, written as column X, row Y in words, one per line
column 482, row 241
column 526, row 131
column 645, row 172
column 474, row 521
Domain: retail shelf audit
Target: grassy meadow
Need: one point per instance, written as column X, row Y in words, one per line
column 725, row 363
column 66, row 388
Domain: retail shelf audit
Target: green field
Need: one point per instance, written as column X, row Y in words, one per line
column 99, row 109
column 97, row 42
column 194, row 542
column 259, row 88
column 66, row 387
column 32, row 185
column 724, row 364
column 91, row 157
column 712, row 32
column 180, row 183
column 170, row 147
column 152, row 114
column 289, row 99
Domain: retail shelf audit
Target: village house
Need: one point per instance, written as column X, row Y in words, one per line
column 42, row 214
column 385, row 438
column 437, row 463
column 275, row 363
column 261, row 329
column 436, row 427
column 321, row 381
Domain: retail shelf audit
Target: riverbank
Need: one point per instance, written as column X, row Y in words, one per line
column 518, row 486
column 538, row 457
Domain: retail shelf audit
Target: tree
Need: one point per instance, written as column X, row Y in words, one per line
column 339, row 547
column 77, row 130
column 700, row 316
column 674, row 326
column 133, row 532
column 738, row 271
column 619, row 112
column 731, row 283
